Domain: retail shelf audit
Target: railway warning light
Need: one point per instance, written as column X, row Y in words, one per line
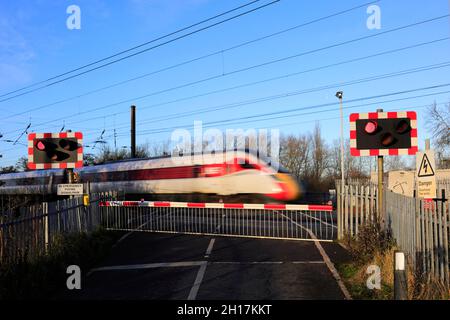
column 383, row 133
column 387, row 139
column 371, row 127
column 55, row 150
column 68, row 145
column 402, row 127
column 51, row 150
column 40, row 146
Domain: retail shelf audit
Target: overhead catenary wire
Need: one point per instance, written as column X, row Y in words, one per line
column 293, row 93
column 264, row 80
column 130, row 49
column 319, row 111
column 209, row 109
column 133, row 99
column 160, row 130
column 302, row 122
column 320, row 119
column 323, row 111
column 139, row 52
column 321, row 105
column 192, row 60
column 335, row 118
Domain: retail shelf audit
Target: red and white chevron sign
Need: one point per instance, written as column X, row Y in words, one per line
column 377, row 149
column 46, row 150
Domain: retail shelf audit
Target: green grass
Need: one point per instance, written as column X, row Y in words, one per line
column 356, row 284
column 44, row 277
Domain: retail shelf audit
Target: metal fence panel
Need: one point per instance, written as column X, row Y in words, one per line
column 257, row 221
column 36, row 228
column 420, row 228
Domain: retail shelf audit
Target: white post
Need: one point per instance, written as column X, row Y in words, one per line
column 400, row 281
column 46, row 231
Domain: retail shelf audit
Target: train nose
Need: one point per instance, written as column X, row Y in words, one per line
column 289, row 185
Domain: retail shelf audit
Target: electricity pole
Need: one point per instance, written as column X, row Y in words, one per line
column 133, row 132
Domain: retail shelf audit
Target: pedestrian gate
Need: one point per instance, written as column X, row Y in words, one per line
column 275, row 221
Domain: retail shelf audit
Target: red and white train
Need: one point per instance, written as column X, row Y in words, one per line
column 222, row 176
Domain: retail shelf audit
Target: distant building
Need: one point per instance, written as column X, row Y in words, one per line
column 403, row 181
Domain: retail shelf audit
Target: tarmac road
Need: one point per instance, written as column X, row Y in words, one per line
column 147, row 265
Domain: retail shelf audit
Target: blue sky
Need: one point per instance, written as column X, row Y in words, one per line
column 35, row 44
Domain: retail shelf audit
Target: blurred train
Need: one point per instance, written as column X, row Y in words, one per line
column 229, row 176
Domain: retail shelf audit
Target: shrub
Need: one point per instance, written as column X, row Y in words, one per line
column 44, row 276
column 371, row 240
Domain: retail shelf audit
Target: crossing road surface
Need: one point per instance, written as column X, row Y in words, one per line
column 173, row 266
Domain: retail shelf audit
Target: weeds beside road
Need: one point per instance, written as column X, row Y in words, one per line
column 45, row 276
column 376, row 247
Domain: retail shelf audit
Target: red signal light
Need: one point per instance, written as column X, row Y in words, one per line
column 402, row 127
column 371, row 127
column 68, row 145
column 40, row 146
column 387, row 139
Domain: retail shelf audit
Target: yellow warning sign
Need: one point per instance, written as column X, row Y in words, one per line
column 426, row 179
column 426, row 168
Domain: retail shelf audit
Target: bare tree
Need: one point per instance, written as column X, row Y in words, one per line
column 159, row 149
column 8, row 169
column 355, row 167
column 22, row 164
column 398, row 163
column 319, row 155
column 294, row 154
column 439, row 124
column 107, row 154
column 88, row 159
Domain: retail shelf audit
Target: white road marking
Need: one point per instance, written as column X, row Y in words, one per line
column 150, row 266
column 192, row 264
column 327, row 260
column 323, row 222
column 308, row 262
column 138, row 228
column 266, row 262
column 198, row 281
column 210, row 247
column 249, row 262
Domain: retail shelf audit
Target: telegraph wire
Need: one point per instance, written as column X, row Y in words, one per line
column 130, row 49
column 294, row 93
column 235, row 121
column 139, row 52
column 323, row 105
column 193, row 60
column 234, row 87
column 296, row 123
column 335, row 118
column 288, row 94
column 345, row 108
column 207, row 125
column 315, row 120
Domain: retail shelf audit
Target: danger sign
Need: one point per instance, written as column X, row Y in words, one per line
column 426, row 178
